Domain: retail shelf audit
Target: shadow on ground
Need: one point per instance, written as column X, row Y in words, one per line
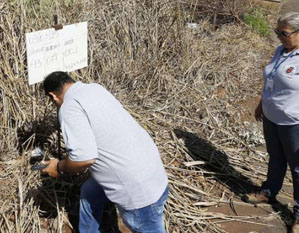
column 285, row 214
column 217, row 162
column 65, row 192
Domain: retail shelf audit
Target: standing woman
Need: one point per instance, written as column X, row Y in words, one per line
column 279, row 111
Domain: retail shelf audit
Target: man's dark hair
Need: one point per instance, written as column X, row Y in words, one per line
column 55, row 81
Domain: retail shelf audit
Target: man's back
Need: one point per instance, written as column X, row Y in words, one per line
column 128, row 165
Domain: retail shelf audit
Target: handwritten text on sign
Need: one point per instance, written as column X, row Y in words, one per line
column 50, row 50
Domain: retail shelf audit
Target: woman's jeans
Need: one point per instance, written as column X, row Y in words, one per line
column 148, row 219
column 282, row 143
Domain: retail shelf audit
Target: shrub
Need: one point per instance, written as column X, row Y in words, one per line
column 256, row 19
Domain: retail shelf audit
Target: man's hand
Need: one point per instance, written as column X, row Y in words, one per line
column 66, row 165
column 51, row 169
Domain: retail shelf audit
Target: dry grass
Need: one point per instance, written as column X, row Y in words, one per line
column 184, row 85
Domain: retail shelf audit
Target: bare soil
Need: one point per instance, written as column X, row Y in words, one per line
column 289, row 5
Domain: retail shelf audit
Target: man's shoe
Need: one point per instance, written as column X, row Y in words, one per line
column 257, row 198
column 295, row 227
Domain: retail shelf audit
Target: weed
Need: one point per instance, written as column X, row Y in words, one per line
column 256, row 19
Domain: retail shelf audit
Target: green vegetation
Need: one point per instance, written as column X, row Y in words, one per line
column 256, row 19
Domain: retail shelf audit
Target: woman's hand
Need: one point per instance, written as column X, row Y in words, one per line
column 51, row 169
column 258, row 114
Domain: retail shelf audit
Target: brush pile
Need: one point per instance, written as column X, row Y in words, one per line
column 189, row 86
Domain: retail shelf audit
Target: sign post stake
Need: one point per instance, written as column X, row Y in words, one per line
column 58, row 27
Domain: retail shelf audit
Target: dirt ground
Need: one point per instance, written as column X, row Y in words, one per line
column 289, row 5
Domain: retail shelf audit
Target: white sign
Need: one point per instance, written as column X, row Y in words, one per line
column 56, row 50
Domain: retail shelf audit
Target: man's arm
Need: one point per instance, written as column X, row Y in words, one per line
column 66, row 165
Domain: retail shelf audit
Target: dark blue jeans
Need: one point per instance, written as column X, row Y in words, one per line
column 148, row 219
column 282, row 143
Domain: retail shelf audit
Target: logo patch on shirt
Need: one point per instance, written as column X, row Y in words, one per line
column 290, row 69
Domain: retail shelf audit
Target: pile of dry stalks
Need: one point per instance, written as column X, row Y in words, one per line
column 186, row 85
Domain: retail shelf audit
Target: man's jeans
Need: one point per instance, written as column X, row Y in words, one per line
column 148, row 219
column 282, row 143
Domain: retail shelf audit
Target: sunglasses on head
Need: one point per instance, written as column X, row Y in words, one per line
column 284, row 33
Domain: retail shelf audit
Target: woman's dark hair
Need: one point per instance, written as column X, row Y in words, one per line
column 54, row 82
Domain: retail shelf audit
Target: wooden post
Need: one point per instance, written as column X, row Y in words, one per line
column 215, row 21
column 58, row 27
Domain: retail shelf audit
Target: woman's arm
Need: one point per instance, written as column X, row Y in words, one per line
column 258, row 114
